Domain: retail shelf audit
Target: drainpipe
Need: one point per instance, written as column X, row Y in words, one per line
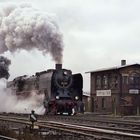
column 120, row 96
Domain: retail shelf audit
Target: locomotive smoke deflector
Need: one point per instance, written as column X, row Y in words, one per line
column 58, row 66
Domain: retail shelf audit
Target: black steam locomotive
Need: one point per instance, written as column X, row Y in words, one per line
column 62, row 89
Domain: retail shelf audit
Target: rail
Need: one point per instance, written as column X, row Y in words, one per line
column 75, row 128
column 87, row 130
column 6, row 138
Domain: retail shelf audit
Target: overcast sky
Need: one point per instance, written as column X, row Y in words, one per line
column 96, row 34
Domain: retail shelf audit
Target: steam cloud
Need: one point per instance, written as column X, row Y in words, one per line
column 11, row 103
column 23, row 27
column 4, row 67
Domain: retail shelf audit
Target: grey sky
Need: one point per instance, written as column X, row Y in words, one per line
column 96, row 34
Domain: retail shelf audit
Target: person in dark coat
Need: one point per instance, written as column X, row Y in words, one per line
column 33, row 118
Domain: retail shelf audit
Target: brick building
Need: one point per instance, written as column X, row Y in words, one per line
column 116, row 89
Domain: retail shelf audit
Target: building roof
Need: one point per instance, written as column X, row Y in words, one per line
column 112, row 68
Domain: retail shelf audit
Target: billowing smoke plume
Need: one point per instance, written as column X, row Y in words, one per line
column 4, row 67
column 22, row 27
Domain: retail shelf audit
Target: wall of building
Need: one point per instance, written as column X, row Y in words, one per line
column 86, row 101
column 123, row 94
column 130, row 90
column 103, row 103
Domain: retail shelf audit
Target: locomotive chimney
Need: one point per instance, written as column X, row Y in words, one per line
column 123, row 62
column 58, row 66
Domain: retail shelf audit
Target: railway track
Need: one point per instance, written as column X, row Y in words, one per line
column 97, row 121
column 6, row 138
column 91, row 131
column 109, row 133
column 129, row 130
column 90, row 120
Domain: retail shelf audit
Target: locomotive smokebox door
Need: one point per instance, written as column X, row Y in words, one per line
column 58, row 66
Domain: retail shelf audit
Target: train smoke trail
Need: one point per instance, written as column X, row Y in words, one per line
column 4, row 67
column 23, row 27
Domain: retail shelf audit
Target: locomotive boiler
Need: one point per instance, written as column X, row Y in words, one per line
column 62, row 89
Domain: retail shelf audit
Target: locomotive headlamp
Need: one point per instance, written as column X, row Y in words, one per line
column 65, row 73
column 57, row 97
column 76, row 97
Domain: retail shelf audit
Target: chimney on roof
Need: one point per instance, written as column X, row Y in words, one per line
column 123, row 62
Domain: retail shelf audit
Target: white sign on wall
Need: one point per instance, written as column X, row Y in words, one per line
column 133, row 91
column 103, row 92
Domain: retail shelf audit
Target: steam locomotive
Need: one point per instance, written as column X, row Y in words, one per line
column 62, row 89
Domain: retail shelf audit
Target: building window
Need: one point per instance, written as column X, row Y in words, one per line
column 134, row 80
column 125, row 80
column 98, row 82
column 103, row 103
column 105, row 81
column 114, row 82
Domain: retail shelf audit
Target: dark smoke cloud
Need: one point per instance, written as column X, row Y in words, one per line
column 4, row 67
column 23, row 27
